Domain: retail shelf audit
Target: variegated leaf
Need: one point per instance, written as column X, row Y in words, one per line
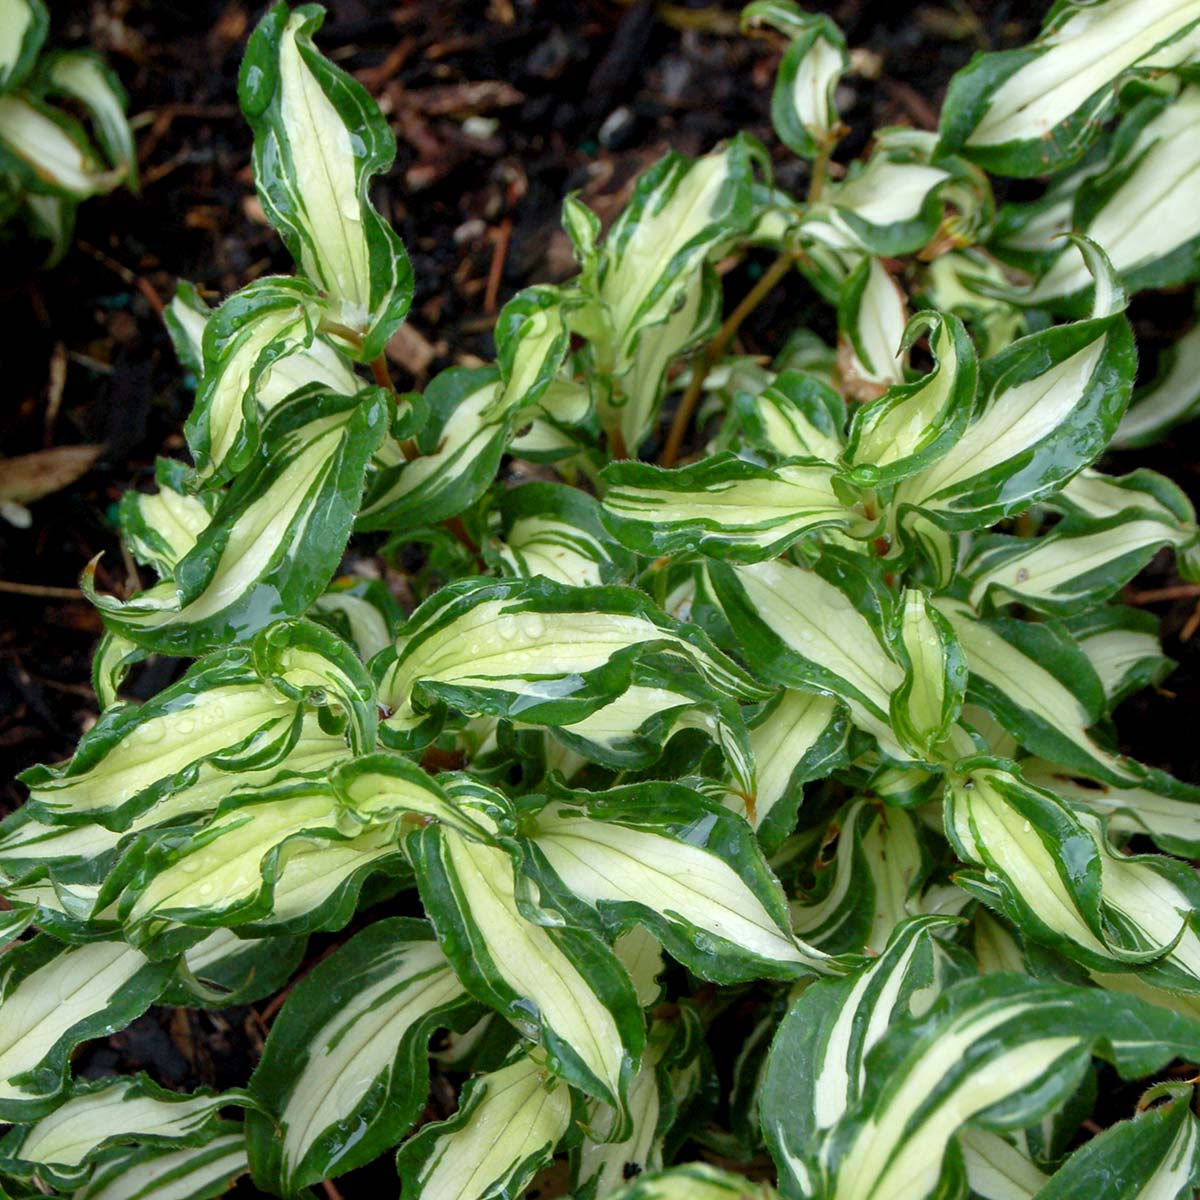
column 345, row 1071
column 1002, row 1050
column 1034, row 110
column 507, row 1126
column 318, row 141
column 246, row 568
column 560, row 986
column 23, row 26
column 723, row 506
column 815, row 1072
column 683, row 866
column 52, row 997
column 64, row 1144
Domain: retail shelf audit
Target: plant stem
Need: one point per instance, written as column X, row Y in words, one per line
column 716, row 349
column 383, row 377
column 820, row 171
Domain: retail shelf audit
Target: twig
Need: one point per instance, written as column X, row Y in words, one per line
column 1179, row 591
column 716, row 348
column 1193, row 623
column 56, row 381
column 329, row 1190
column 39, row 589
column 491, row 296
column 131, row 279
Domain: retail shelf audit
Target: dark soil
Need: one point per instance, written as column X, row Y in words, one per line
column 500, row 109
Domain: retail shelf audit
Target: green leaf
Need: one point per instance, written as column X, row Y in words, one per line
column 889, row 205
column 870, row 887
column 1156, row 1154
column 1070, row 569
column 344, row 1072
column 507, row 1126
column 1165, row 809
column 318, row 141
column 926, row 705
column 1035, row 110
column 225, row 970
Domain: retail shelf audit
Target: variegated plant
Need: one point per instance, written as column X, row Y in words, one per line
column 771, row 801
column 48, row 161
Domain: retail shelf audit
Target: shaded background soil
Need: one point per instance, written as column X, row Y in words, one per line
column 500, row 108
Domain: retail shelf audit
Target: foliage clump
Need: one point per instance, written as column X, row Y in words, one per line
column 808, row 741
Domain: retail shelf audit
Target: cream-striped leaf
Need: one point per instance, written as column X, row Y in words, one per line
column 799, row 736
column 688, row 869
column 246, row 568
column 1173, row 397
column 105, row 1113
column 1002, row 1051
column 803, row 110
column 200, row 1173
column 345, row 1070
column 815, row 1073
column 318, row 141
column 560, row 986
column 723, row 506
column 1034, row 110
column 532, row 650
column 1154, row 1156
column 507, row 1126
column 23, row 26
column 1048, row 404
column 52, row 997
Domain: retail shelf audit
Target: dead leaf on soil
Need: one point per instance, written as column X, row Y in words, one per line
column 29, row 477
